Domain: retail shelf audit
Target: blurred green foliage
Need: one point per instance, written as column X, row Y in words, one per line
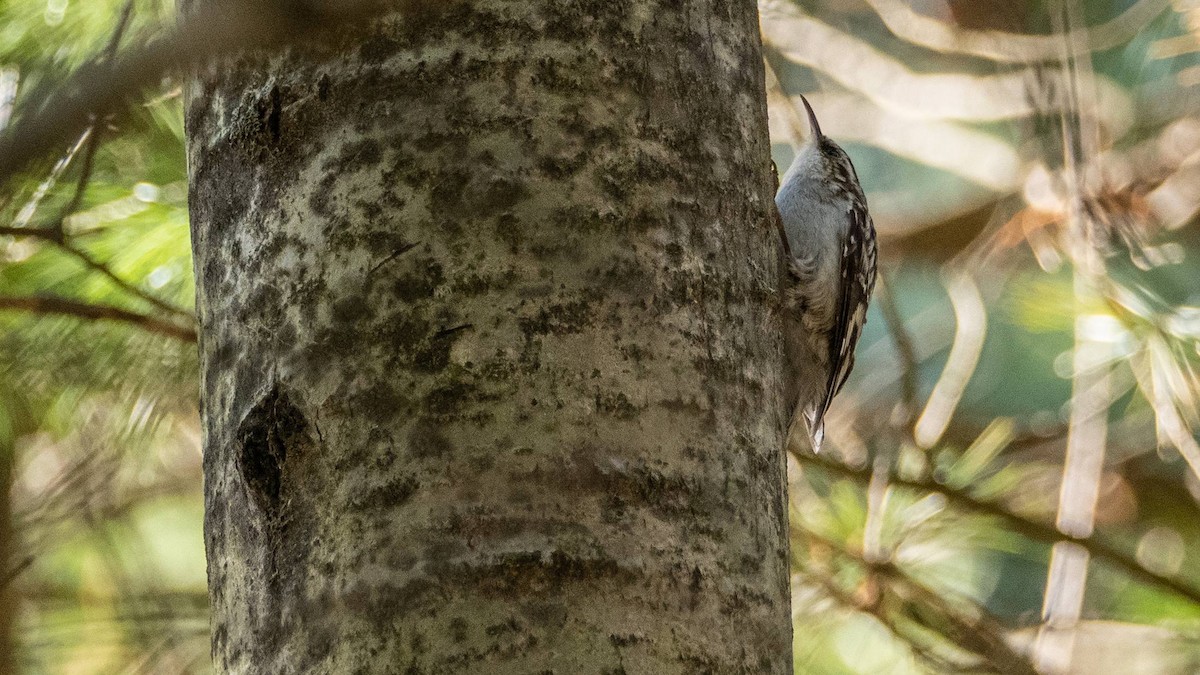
column 100, row 419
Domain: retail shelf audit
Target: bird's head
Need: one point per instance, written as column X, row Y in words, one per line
column 823, row 156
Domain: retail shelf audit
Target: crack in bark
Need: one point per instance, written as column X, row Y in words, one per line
column 446, row 332
column 395, row 254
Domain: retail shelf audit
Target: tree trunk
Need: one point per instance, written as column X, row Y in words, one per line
column 492, row 371
column 10, row 565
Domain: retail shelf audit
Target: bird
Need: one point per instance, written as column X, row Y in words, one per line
column 829, row 240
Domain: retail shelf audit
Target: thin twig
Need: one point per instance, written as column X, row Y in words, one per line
column 884, row 461
column 11, row 575
column 980, row 634
column 126, row 286
column 904, row 348
column 114, row 41
column 31, row 205
column 81, row 310
column 95, row 130
column 94, row 133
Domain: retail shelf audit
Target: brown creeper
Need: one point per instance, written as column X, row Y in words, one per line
column 831, row 243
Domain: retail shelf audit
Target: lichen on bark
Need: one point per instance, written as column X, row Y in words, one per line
column 492, row 376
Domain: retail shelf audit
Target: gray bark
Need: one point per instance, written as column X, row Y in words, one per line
column 10, row 563
column 492, row 370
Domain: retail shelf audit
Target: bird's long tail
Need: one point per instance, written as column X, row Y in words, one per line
column 814, row 421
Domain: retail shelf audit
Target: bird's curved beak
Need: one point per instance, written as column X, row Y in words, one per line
column 812, row 119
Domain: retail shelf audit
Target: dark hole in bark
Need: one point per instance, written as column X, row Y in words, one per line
column 272, row 430
column 275, row 111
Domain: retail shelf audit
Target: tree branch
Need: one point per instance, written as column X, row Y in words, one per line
column 1020, row 524
column 65, row 307
column 213, row 31
column 54, row 232
column 978, row 631
column 35, row 232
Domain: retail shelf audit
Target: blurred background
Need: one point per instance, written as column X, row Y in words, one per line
column 1010, row 482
